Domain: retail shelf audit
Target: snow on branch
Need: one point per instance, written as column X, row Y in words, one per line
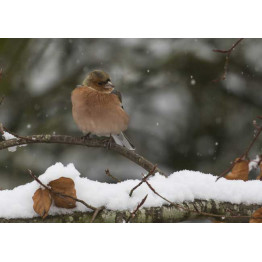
column 184, row 194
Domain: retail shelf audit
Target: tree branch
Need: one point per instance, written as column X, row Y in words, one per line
column 228, row 52
column 89, row 142
column 227, row 212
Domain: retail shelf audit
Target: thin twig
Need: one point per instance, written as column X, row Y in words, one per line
column 188, row 210
column 259, row 129
column 58, row 193
column 230, row 168
column 150, row 173
column 96, row 213
column 170, row 202
column 133, row 214
column 110, row 175
column 245, row 154
column 228, row 52
column 1, row 73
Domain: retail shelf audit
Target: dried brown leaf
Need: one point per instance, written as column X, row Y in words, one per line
column 240, row 170
column 64, row 186
column 259, row 177
column 257, row 216
column 42, row 202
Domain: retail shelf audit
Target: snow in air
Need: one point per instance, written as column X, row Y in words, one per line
column 178, row 187
column 253, row 164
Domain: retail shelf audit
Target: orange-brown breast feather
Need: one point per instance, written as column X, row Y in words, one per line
column 97, row 112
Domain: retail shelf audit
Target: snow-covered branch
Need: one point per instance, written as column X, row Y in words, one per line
column 227, row 212
column 181, row 196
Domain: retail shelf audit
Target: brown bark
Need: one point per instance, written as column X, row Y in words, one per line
column 233, row 213
column 89, row 142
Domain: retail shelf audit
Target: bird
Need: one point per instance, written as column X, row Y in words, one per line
column 97, row 109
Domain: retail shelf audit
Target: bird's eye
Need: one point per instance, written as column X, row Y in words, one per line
column 100, row 83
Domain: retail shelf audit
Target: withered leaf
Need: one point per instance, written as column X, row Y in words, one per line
column 42, row 202
column 259, row 177
column 64, row 186
column 240, row 170
column 257, row 216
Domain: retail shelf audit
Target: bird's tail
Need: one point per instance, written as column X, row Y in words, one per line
column 122, row 140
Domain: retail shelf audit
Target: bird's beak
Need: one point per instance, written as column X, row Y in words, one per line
column 109, row 85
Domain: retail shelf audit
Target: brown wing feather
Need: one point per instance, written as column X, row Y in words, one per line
column 118, row 94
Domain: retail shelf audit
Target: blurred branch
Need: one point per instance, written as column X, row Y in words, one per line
column 228, row 52
column 89, row 142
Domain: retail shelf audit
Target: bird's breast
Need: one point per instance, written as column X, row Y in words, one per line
column 98, row 113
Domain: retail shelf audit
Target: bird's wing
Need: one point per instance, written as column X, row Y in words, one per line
column 118, row 94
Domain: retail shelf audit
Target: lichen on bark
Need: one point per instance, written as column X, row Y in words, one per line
column 222, row 211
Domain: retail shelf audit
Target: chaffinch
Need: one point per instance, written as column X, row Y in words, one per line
column 97, row 108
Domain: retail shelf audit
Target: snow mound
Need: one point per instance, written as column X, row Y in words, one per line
column 178, row 187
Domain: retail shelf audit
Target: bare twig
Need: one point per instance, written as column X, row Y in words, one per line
column 194, row 211
column 1, row 73
column 228, row 52
column 258, row 131
column 58, row 193
column 150, row 173
column 245, row 154
column 96, row 213
column 230, row 168
column 110, row 175
column 133, row 214
column 90, row 142
column 170, row 202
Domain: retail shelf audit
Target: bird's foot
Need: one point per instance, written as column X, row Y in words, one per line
column 87, row 136
column 108, row 142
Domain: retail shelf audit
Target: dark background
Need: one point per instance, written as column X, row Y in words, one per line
column 180, row 119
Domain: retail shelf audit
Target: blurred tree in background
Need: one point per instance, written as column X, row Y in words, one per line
column 180, row 119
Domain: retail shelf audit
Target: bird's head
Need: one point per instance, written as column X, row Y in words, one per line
column 100, row 81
